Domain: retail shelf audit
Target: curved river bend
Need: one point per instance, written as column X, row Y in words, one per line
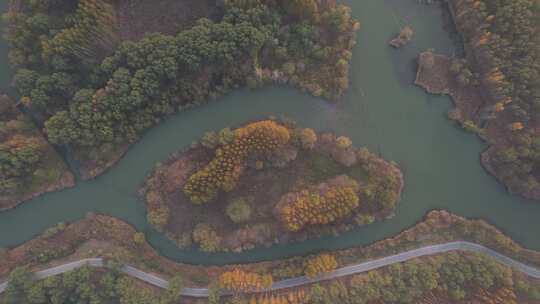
column 383, row 110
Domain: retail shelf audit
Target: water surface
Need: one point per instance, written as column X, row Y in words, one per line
column 383, row 111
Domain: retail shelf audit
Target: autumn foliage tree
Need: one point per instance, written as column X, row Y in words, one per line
column 241, row 281
column 504, row 49
column 317, row 206
column 260, row 138
column 320, row 264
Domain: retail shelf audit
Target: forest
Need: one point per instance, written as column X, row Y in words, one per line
column 28, row 164
column 457, row 277
column 502, row 40
column 86, row 286
column 97, row 95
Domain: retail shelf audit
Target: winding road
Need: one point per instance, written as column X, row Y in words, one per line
column 299, row 281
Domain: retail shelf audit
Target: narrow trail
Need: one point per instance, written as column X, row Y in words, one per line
column 299, row 281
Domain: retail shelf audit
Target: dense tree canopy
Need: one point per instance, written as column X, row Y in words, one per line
column 21, row 151
column 86, row 285
column 94, row 91
column 504, row 37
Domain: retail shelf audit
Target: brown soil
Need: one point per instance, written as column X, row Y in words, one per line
column 263, row 190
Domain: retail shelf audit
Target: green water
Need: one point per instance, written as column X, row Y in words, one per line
column 383, row 110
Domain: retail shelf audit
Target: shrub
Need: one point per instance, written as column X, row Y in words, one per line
column 259, row 138
column 259, row 165
column 54, row 230
column 226, row 136
column 308, row 138
column 210, row 140
column 343, row 142
column 158, row 217
column 239, row 210
column 183, row 240
column 363, row 219
column 139, row 238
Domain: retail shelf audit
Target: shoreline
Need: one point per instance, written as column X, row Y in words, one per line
column 494, row 131
column 118, row 246
column 113, row 239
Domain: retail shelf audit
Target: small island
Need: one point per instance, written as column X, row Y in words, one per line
column 29, row 165
column 404, row 37
column 268, row 182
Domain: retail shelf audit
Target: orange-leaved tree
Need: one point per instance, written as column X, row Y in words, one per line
column 238, row 280
column 316, row 206
column 320, row 264
column 260, row 138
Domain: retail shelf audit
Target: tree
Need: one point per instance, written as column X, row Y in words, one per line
column 174, row 291
column 320, row 264
column 308, row 138
column 139, row 238
column 240, row 281
column 302, row 9
column 214, row 294
column 314, row 207
column 319, row 295
column 239, row 210
column 19, row 280
column 206, row 237
column 256, row 139
column 210, row 140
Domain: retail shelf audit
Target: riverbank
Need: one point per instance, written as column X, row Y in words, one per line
column 358, row 188
column 113, row 240
column 30, row 165
column 490, row 94
column 110, row 238
column 420, row 257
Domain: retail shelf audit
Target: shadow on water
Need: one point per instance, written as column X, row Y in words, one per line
column 382, row 111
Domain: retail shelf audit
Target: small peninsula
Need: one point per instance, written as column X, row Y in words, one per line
column 29, row 165
column 97, row 79
column 268, row 182
column 495, row 87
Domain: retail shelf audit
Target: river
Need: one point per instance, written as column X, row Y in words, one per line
column 383, row 111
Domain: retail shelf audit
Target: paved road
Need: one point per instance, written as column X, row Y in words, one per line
column 299, row 281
